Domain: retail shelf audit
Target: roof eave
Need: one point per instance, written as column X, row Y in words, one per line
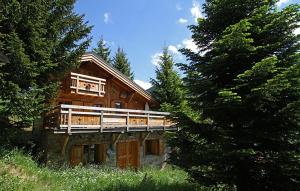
column 100, row 62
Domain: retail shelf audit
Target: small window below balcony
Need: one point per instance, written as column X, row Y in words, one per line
column 152, row 147
column 87, row 85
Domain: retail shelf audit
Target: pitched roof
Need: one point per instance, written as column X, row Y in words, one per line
column 90, row 56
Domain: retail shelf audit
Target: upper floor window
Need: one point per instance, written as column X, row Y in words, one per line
column 118, row 104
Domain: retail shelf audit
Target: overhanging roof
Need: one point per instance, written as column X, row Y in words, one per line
column 92, row 57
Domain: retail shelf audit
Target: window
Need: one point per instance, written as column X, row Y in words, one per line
column 118, row 105
column 152, row 147
column 94, row 154
column 98, row 105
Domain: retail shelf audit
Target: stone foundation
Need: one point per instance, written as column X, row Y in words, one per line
column 57, row 147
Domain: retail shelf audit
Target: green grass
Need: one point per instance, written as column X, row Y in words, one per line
column 19, row 172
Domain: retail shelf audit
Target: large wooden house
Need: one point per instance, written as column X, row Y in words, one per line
column 102, row 117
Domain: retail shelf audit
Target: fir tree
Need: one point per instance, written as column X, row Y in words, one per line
column 121, row 63
column 247, row 89
column 167, row 87
column 103, row 51
column 43, row 40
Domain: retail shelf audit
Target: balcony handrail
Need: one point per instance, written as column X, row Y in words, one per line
column 97, row 83
column 65, row 106
column 89, row 77
column 85, row 119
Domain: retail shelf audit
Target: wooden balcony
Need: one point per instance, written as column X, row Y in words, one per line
column 84, row 119
column 87, row 85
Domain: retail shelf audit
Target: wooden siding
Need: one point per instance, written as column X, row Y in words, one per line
column 114, row 91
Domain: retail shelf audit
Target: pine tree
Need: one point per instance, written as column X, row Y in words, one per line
column 43, row 40
column 121, row 63
column 167, row 87
column 103, row 51
column 247, row 88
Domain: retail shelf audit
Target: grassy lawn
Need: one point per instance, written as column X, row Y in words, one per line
column 19, row 172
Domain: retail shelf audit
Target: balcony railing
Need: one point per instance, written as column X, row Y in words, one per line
column 84, row 119
column 87, row 85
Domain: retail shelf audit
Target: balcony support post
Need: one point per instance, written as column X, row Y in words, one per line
column 77, row 84
column 101, row 122
column 127, row 122
column 69, row 121
column 164, row 123
column 148, row 119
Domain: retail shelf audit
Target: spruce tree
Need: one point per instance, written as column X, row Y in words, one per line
column 43, row 40
column 247, row 88
column 167, row 86
column 121, row 63
column 103, row 51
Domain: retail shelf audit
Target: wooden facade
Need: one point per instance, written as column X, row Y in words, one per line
column 96, row 98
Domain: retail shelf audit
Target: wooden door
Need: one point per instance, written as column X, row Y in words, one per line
column 122, row 155
column 133, row 154
column 128, row 154
column 100, row 156
column 76, row 156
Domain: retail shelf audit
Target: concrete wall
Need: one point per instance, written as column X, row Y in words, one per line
column 57, row 147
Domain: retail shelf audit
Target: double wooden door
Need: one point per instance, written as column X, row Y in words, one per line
column 128, row 154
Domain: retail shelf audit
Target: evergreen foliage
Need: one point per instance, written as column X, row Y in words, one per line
column 103, row 51
column 42, row 40
column 167, row 86
column 247, row 88
column 121, row 63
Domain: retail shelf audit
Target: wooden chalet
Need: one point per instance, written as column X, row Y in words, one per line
column 102, row 117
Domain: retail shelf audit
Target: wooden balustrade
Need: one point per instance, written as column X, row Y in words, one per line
column 87, row 85
column 85, row 119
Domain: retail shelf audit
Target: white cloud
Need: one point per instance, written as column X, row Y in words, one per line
column 281, row 2
column 178, row 7
column 144, row 85
column 107, row 17
column 173, row 49
column 182, row 21
column 190, row 44
column 196, row 10
column 155, row 58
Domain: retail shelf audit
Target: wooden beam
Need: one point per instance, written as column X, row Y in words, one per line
column 63, row 150
column 115, row 140
column 131, row 96
column 146, row 136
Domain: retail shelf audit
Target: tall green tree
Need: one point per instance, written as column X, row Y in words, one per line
column 167, row 86
column 43, row 40
column 121, row 63
column 247, row 88
column 103, row 51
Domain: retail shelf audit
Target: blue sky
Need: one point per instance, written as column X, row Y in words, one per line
column 143, row 27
